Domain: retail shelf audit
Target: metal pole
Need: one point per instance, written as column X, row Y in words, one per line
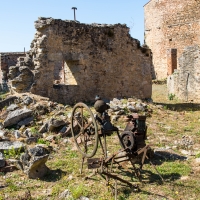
column 74, row 8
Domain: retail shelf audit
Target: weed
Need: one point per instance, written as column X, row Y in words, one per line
column 165, row 107
column 80, row 190
column 42, row 141
column 174, row 169
column 3, row 95
column 12, row 153
column 11, row 186
column 198, row 132
column 124, row 101
column 73, row 154
column 2, row 174
column 171, row 96
column 56, row 190
column 172, row 131
column 188, row 128
column 126, row 111
column 33, row 130
column 198, row 155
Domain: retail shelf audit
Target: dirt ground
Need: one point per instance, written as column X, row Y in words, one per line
column 174, row 135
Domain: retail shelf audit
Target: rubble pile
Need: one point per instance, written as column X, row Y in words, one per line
column 30, row 119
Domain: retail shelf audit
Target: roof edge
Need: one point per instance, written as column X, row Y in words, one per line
column 147, row 3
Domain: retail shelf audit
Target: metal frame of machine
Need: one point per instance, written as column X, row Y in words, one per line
column 90, row 130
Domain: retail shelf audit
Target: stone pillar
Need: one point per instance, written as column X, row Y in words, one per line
column 171, row 61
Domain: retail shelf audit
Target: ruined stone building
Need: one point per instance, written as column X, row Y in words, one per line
column 70, row 62
column 8, row 59
column 172, row 33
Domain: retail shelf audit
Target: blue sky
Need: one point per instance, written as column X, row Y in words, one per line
column 17, row 17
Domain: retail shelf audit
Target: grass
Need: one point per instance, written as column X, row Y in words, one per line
column 43, row 141
column 3, row 95
column 12, row 153
column 166, row 128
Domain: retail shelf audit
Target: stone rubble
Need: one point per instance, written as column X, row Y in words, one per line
column 33, row 162
column 16, row 116
column 2, row 160
column 28, row 112
column 5, row 146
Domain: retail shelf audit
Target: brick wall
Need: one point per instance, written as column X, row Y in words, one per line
column 170, row 24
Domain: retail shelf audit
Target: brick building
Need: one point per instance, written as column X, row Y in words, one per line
column 172, row 33
column 170, row 26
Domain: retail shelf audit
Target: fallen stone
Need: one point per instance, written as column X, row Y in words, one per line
column 8, row 145
column 43, row 128
column 55, row 123
column 26, row 121
column 6, row 169
column 159, row 106
column 41, row 109
column 83, row 198
column 131, row 108
column 63, row 130
column 2, row 160
column 33, row 162
column 17, row 134
column 31, row 140
column 115, row 108
column 184, row 178
column 68, row 131
column 27, row 133
column 14, row 162
column 120, row 112
column 65, row 141
column 185, row 152
column 27, row 100
column 8, row 101
column 50, row 138
column 2, row 134
column 16, row 116
column 139, row 107
column 65, row 195
column 12, row 107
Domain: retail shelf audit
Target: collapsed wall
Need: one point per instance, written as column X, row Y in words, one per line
column 8, row 59
column 185, row 82
column 70, row 61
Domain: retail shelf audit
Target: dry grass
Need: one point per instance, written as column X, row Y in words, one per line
column 167, row 126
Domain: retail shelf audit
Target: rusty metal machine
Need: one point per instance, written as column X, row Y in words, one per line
column 90, row 130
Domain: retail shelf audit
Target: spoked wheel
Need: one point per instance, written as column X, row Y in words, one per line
column 84, row 130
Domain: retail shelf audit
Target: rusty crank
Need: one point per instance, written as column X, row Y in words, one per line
column 88, row 131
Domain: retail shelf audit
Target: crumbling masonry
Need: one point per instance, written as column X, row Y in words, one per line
column 7, row 59
column 172, row 33
column 70, row 61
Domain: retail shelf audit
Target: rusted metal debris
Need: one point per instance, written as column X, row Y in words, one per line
column 93, row 131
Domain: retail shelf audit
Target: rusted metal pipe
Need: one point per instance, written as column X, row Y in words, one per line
column 74, row 8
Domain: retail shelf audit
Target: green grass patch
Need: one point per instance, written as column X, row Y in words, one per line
column 79, row 190
column 42, row 141
column 174, row 170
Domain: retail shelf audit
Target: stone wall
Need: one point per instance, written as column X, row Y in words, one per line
column 70, row 61
column 6, row 60
column 170, row 24
column 185, row 82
